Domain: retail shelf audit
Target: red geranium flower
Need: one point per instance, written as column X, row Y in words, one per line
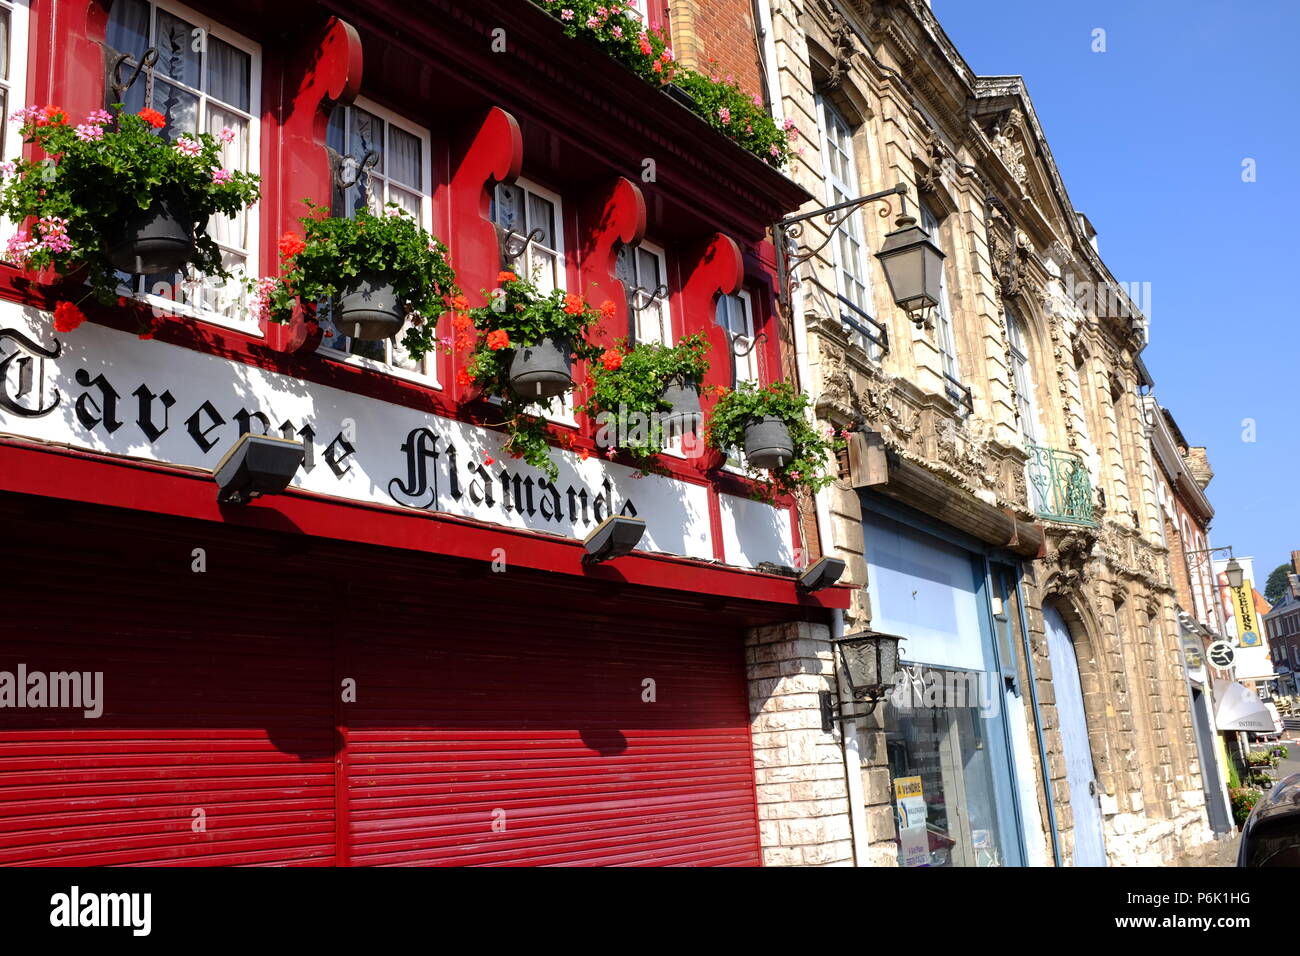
column 506, row 276
column 497, row 340
column 54, row 116
column 573, row 304
column 153, row 118
column 607, row 309
column 67, row 317
column 612, row 359
column 291, row 244
column 460, row 303
column 464, row 378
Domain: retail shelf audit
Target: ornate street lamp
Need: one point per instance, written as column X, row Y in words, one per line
column 913, row 266
column 1236, row 576
column 870, row 663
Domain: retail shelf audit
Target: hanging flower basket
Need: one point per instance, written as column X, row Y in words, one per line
column 158, row 239
column 645, row 395
column 768, row 443
column 772, row 424
column 542, row 371
column 374, row 272
column 520, row 348
column 369, row 308
column 112, row 195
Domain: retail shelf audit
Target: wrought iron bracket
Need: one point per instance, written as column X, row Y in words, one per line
column 754, row 343
column 515, row 244
column 832, row 710
column 119, row 86
column 789, row 231
column 646, row 297
column 348, row 169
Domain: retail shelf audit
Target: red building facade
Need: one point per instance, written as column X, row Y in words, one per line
column 403, row 658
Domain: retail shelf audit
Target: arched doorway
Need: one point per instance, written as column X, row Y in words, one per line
column 1089, row 845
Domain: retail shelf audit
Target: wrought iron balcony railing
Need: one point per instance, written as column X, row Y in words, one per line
column 1059, row 489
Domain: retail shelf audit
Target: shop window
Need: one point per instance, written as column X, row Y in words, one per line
column 207, row 78
column 643, row 270
column 953, row 780
column 524, row 210
column 13, row 73
column 389, row 157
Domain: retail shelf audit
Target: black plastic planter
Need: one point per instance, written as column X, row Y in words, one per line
column 369, row 309
column 542, row 371
column 767, row 443
column 675, row 92
column 684, row 415
column 159, row 239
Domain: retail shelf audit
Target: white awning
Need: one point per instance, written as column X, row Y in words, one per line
column 1240, row 709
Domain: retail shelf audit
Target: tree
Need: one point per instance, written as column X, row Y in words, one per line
column 1276, row 585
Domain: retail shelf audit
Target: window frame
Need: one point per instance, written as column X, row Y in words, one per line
column 245, row 322
column 1022, row 374
column 746, row 299
column 429, row 375
column 662, row 307
column 839, row 190
column 15, row 86
column 566, row 414
column 945, row 334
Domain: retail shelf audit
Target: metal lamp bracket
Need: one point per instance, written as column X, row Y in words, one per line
column 753, row 344
column 348, row 169
column 789, row 232
column 832, row 710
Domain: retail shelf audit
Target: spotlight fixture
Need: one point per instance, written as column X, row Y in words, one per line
column 256, row 465
column 822, row 574
column 614, row 537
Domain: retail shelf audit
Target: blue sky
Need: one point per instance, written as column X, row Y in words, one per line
column 1150, row 137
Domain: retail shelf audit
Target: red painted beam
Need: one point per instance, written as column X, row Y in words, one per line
column 57, row 472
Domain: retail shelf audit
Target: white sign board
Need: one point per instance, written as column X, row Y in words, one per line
column 109, row 392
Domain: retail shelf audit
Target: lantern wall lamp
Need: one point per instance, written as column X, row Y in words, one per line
column 1234, row 571
column 913, row 264
column 869, row 661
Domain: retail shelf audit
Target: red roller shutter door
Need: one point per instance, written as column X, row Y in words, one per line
column 216, row 700
column 484, row 734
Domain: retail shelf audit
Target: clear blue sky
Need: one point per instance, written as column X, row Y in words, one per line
column 1149, row 137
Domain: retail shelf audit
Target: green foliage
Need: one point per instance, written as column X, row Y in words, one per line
column 626, row 385
column 519, row 314
column 1243, row 801
column 1259, row 778
column 1234, row 776
column 1276, row 586
column 812, row 450
column 1261, row 758
column 99, row 172
column 334, row 252
column 719, row 101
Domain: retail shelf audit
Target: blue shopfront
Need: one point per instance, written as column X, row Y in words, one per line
column 961, row 727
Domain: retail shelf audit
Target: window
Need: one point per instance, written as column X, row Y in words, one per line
column 643, row 270
column 943, row 317
column 842, row 184
column 206, row 79
column 735, row 313
column 1022, row 376
column 13, row 72
column 527, row 210
column 391, row 157
column 392, row 165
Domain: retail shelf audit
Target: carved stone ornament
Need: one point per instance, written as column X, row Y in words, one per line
column 1068, row 560
column 843, row 47
column 1008, row 143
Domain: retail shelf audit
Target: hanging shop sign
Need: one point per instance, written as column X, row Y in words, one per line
column 106, row 391
column 1243, row 609
column 1221, row 654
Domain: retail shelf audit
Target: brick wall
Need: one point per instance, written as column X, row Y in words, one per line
column 720, row 30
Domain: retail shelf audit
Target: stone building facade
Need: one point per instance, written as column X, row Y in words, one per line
column 1008, row 425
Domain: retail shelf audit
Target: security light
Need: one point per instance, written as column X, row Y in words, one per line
column 822, row 574
column 614, row 537
column 257, row 465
